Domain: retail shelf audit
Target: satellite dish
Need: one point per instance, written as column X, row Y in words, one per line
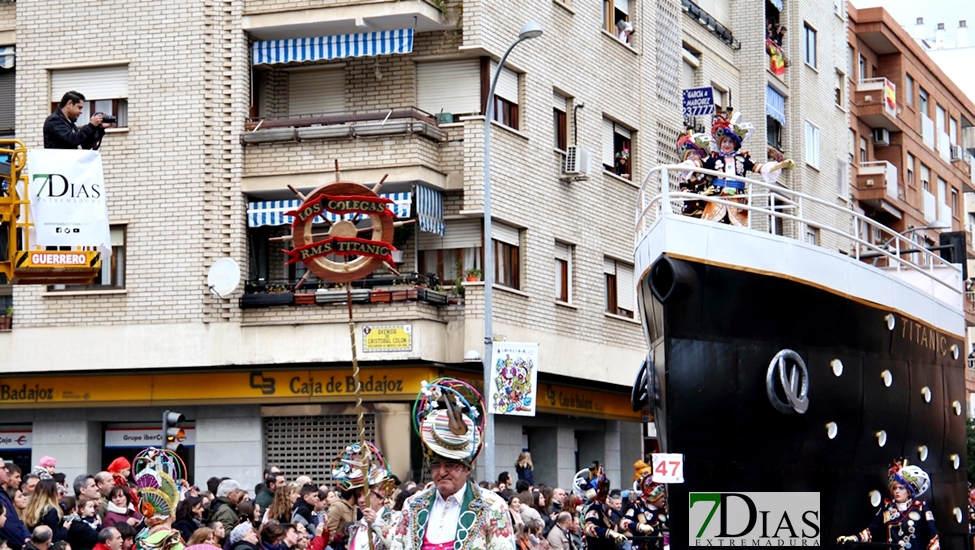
column 223, row 277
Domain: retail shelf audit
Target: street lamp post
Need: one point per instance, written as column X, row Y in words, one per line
column 530, row 30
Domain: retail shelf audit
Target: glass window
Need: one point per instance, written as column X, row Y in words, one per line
column 617, row 150
column 507, row 266
column 923, row 101
column 810, row 46
column 863, row 150
column 812, row 145
column 563, row 272
column 773, row 132
column 908, row 90
column 910, row 169
column 862, row 69
column 954, row 200
column 560, row 122
column 839, row 92
column 107, row 91
column 615, row 16
column 620, row 290
column 925, row 178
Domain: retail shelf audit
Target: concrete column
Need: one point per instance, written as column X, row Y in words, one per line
column 545, row 456
column 565, row 449
column 230, row 443
column 71, row 442
column 508, row 432
column 631, row 450
column 612, row 453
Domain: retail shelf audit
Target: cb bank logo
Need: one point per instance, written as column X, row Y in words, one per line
column 754, row 519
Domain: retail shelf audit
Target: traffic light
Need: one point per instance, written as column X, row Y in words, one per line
column 955, row 251
column 173, row 434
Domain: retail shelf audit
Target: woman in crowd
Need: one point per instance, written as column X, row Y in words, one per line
column 203, row 535
column 272, row 534
column 514, row 510
column 43, row 509
column 20, row 501
column 219, row 532
column 120, row 509
column 280, row 508
column 244, row 537
column 249, row 511
column 529, row 511
column 524, row 468
column 189, row 516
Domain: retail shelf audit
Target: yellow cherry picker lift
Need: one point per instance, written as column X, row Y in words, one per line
column 20, row 262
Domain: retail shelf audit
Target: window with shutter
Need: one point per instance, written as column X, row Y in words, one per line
column 617, row 154
column 453, row 254
column 8, row 108
column 620, row 288
column 505, row 97
column 316, row 92
column 563, row 272
column 449, row 87
column 560, row 106
column 106, row 90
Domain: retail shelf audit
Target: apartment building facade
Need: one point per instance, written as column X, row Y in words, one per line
column 909, row 122
column 219, row 116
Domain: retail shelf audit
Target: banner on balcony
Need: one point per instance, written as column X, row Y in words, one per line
column 318, row 48
column 514, row 379
column 890, row 98
column 67, row 199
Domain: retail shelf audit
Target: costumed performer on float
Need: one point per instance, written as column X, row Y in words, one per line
column 647, row 514
column 905, row 520
column 600, row 530
column 157, row 475
column 347, row 473
column 455, row 514
column 729, row 134
column 694, row 149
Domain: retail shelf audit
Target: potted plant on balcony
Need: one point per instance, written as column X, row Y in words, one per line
column 473, row 274
column 305, row 298
column 261, row 295
column 7, row 318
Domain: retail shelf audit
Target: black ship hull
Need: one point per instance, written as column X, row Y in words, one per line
column 714, row 330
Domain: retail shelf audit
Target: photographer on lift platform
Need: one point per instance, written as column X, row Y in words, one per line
column 60, row 131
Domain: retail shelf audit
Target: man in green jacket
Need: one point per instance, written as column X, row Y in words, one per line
column 273, row 478
column 229, row 495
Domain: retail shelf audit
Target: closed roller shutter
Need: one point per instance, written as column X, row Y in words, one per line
column 625, row 287
column 608, row 142
column 449, row 86
column 93, row 83
column 316, row 92
column 562, row 252
column 307, row 445
column 8, row 107
column 560, row 102
column 507, row 83
column 457, row 234
column 505, row 233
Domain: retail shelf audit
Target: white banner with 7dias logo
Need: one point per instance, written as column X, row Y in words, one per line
column 67, row 199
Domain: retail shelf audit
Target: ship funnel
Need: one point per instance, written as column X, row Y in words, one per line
column 670, row 279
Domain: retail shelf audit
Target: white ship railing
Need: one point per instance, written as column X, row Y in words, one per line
column 659, row 196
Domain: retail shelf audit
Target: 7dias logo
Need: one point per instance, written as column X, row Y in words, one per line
column 56, row 186
column 754, row 519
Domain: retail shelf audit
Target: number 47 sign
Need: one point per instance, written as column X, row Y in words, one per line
column 668, row 468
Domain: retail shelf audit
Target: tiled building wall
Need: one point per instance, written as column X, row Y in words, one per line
column 8, row 15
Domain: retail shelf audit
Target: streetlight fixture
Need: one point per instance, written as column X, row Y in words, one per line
column 529, row 31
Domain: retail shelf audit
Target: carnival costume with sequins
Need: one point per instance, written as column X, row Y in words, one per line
column 642, row 517
column 909, row 524
column 448, row 417
column 694, row 182
column 347, row 473
column 157, row 475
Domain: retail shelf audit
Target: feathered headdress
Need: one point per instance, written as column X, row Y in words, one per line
column 447, row 415
column 915, row 479
column 701, row 143
column 347, row 469
column 731, row 126
column 156, row 479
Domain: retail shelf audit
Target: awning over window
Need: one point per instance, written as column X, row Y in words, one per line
column 775, row 105
column 429, row 210
column 7, row 56
column 264, row 213
column 338, row 46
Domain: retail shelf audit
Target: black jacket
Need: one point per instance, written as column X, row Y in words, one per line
column 243, row 545
column 61, row 133
column 51, row 519
column 14, row 532
column 303, row 511
column 81, row 536
column 186, row 527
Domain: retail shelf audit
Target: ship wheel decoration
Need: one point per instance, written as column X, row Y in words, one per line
column 345, row 252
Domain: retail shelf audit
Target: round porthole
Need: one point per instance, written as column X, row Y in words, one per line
column 887, row 377
column 831, row 430
column 922, row 452
column 837, row 367
column 881, row 438
column 926, row 393
column 874, row 498
column 891, row 321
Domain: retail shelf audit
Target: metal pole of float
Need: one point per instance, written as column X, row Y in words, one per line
column 530, row 30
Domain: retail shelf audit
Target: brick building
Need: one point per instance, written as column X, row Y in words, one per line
column 908, row 126
column 214, row 126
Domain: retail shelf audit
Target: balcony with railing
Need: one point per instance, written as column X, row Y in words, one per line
column 929, row 208
column 876, row 183
column 274, row 19
column 875, row 103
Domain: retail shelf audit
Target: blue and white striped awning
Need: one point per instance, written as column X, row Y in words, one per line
column 337, row 46
column 264, row 213
column 8, row 55
column 775, row 104
column 429, row 210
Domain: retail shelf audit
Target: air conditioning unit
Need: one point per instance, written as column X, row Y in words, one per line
column 578, row 161
column 957, row 153
column 881, row 137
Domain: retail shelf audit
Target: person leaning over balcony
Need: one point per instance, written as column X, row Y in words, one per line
column 60, row 131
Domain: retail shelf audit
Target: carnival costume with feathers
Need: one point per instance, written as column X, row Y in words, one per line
column 700, row 145
column 734, row 164
column 448, row 415
column 156, row 480
column 347, row 473
column 598, row 526
column 908, row 524
column 647, row 514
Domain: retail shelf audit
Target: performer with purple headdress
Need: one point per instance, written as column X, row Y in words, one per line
column 157, row 475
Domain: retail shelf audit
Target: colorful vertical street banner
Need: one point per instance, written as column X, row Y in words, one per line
column 67, row 198
column 514, row 379
column 890, row 97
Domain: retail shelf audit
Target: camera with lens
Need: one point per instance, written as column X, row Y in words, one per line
column 108, row 119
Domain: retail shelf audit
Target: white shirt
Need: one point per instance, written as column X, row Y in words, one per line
column 444, row 516
column 361, row 541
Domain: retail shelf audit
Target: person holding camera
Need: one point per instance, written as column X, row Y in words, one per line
column 60, row 131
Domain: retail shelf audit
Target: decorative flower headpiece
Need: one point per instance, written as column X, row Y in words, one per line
column 347, row 469
column 624, row 154
column 700, row 142
column 650, row 489
column 156, row 479
column 447, row 417
column 731, row 126
column 915, row 479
